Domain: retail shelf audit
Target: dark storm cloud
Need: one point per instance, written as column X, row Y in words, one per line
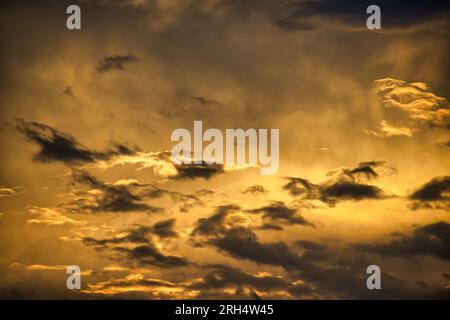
column 149, row 254
column 58, row 146
column 124, row 196
column 278, row 213
column 435, row 190
column 431, row 239
column 222, row 277
column 162, row 229
column 394, row 13
column 344, row 184
column 185, row 201
column 214, row 224
column 54, row 145
column 365, row 171
column 351, row 191
column 432, row 195
column 193, row 171
column 146, row 252
column 242, row 243
column 315, row 264
column 114, row 197
column 115, row 62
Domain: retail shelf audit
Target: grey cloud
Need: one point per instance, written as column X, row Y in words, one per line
column 115, row 62
column 149, row 254
column 278, row 213
column 164, row 228
column 214, row 224
column 432, row 195
column 434, row 190
column 114, row 197
column 431, row 239
column 146, row 252
column 140, row 234
column 344, row 184
column 242, row 243
column 193, row 171
column 223, row 276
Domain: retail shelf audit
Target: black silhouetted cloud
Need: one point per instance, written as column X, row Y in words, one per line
column 312, row 263
column 115, row 62
column 231, row 237
column 432, row 195
column 344, row 184
column 223, row 277
column 149, row 254
column 139, row 247
column 277, row 213
column 431, row 239
column 111, row 197
column 203, row 170
column 139, row 234
column 58, row 146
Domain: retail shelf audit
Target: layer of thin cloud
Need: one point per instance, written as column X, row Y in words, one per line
column 51, row 217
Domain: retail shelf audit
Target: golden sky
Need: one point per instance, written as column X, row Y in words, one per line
column 86, row 177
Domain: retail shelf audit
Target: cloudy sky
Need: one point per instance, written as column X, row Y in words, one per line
column 86, row 176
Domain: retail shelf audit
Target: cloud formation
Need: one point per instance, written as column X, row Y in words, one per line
column 431, row 240
column 193, row 171
column 421, row 105
column 106, row 197
column 344, row 184
column 51, row 217
column 140, row 234
column 255, row 190
column 139, row 247
column 351, row 14
column 277, row 213
column 9, row 192
column 115, row 62
column 58, row 146
column 432, row 195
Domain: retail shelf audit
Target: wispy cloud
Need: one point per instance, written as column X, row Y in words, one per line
column 115, row 62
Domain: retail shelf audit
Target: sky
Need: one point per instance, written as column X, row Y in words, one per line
column 87, row 178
